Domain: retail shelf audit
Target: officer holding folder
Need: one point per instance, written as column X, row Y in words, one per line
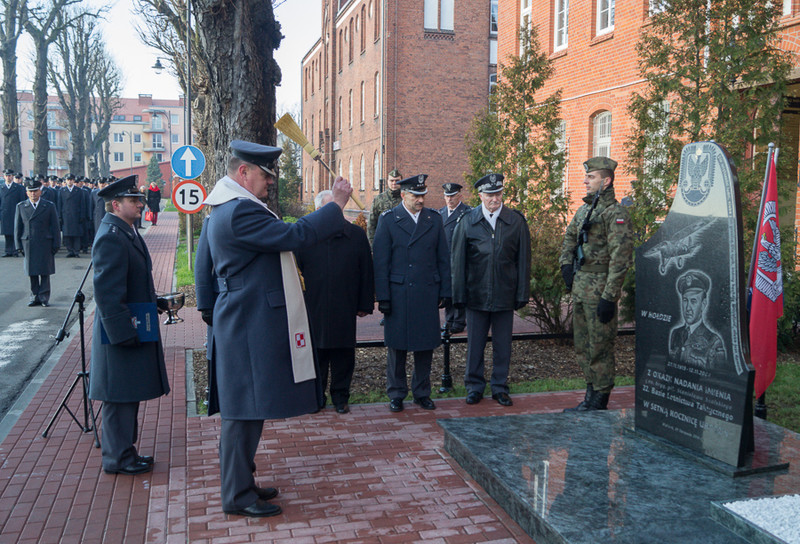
column 127, row 355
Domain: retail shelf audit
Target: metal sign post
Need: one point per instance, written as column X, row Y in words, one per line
column 188, row 162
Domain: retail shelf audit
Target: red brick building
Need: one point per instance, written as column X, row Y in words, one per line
column 396, row 84
column 592, row 45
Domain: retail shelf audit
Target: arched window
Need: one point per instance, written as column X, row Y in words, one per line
column 363, row 184
column 341, row 48
column 601, row 134
column 350, row 109
column 350, row 174
column 376, row 173
column 377, row 25
column 363, row 34
column 363, row 99
column 376, row 99
column 340, row 114
column 350, row 41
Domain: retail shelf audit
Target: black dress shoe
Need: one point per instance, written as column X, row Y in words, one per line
column 503, row 399
column 145, row 459
column 425, row 403
column 259, row 509
column 396, row 405
column 34, row 303
column 342, row 409
column 45, row 303
column 266, row 493
column 474, row 397
column 456, row 330
column 136, row 467
column 8, row 254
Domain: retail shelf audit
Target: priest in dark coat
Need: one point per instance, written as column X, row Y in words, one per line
column 37, row 234
column 339, row 286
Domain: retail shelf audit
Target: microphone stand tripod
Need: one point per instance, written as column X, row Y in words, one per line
column 83, row 375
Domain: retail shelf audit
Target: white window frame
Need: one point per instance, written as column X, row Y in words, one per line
column 156, row 123
column 439, row 15
column 119, row 137
column 525, row 7
column 605, row 16
column 137, row 157
column 601, row 134
column 376, row 172
column 52, row 138
column 137, row 138
column 561, row 25
column 494, row 22
column 158, row 141
column 363, row 184
column 119, row 156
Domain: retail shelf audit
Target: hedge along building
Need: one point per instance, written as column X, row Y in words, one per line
column 592, row 44
column 393, row 83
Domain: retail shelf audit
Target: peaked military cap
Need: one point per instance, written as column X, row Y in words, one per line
column 415, row 184
column 490, row 183
column 33, row 184
column 8, row 172
column 18, row 175
column 395, row 173
column 599, row 163
column 70, row 176
column 122, row 188
column 451, row 189
column 263, row 156
column 694, row 279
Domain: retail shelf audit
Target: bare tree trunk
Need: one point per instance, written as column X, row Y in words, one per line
column 12, row 150
column 236, row 40
column 41, row 146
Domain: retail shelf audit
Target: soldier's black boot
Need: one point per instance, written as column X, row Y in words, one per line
column 599, row 401
column 586, row 402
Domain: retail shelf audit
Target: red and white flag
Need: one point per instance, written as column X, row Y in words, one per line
column 766, row 284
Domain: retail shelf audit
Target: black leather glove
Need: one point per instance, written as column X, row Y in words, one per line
column 568, row 273
column 55, row 250
column 520, row 304
column 131, row 343
column 21, row 251
column 445, row 302
column 208, row 317
column 385, row 307
column 606, row 310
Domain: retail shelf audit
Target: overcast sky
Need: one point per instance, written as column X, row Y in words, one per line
column 300, row 21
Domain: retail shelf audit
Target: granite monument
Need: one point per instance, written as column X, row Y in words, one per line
column 694, row 382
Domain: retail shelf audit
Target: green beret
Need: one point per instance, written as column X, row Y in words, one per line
column 599, row 163
column 395, row 173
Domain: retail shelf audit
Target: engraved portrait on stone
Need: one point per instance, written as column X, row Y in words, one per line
column 693, row 341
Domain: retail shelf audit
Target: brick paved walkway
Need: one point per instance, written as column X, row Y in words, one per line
column 368, row 476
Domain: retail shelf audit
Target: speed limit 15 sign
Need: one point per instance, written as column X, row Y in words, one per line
column 188, row 196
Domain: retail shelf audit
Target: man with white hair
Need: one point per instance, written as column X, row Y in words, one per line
column 339, row 284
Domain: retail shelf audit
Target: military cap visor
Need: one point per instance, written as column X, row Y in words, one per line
column 599, row 163
column 8, row 172
column 18, row 175
column 263, row 156
column 127, row 186
column 490, row 183
column 694, row 280
column 414, row 185
column 451, row 189
column 33, row 185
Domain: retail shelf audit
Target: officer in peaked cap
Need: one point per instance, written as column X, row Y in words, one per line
column 491, row 279
column 412, row 280
column 37, row 234
column 258, row 333
column 11, row 194
column 596, row 284
column 451, row 212
column 125, row 370
column 694, row 342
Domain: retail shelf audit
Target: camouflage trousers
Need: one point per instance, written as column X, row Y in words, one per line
column 594, row 341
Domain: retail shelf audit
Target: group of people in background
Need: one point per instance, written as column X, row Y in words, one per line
column 40, row 213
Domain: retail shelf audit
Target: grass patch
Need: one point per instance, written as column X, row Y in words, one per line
column 167, row 206
column 539, row 386
column 183, row 275
column 783, row 396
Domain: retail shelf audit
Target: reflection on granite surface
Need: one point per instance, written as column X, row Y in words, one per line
column 582, row 477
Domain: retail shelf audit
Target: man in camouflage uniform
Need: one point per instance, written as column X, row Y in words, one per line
column 384, row 201
column 608, row 250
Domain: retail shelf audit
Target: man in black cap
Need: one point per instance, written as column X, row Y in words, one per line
column 455, row 318
column 88, row 216
column 412, row 280
column 37, row 234
column 384, row 201
column 693, row 342
column 99, row 205
column 339, row 286
column 73, row 214
column 125, row 369
column 263, row 360
column 11, row 194
column 491, row 277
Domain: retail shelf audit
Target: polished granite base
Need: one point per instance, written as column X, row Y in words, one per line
column 741, row 526
column 584, row 478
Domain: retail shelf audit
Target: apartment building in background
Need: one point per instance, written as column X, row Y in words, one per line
column 592, row 46
column 142, row 128
column 396, row 84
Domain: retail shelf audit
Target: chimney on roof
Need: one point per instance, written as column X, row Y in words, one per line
column 145, row 99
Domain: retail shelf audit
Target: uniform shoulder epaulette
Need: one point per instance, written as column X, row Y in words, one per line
column 114, row 229
column 386, row 211
column 519, row 213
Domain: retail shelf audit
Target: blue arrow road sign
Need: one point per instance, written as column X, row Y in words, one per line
column 188, row 162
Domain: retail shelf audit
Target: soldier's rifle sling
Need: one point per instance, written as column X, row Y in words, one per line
column 579, row 258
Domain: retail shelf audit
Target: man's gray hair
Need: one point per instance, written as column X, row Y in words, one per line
column 320, row 198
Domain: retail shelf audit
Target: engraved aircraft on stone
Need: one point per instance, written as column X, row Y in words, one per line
column 684, row 244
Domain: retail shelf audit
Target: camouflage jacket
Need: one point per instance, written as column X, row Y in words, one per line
column 609, row 244
column 384, row 201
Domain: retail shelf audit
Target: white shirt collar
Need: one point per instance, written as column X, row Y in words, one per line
column 414, row 216
column 491, row 218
